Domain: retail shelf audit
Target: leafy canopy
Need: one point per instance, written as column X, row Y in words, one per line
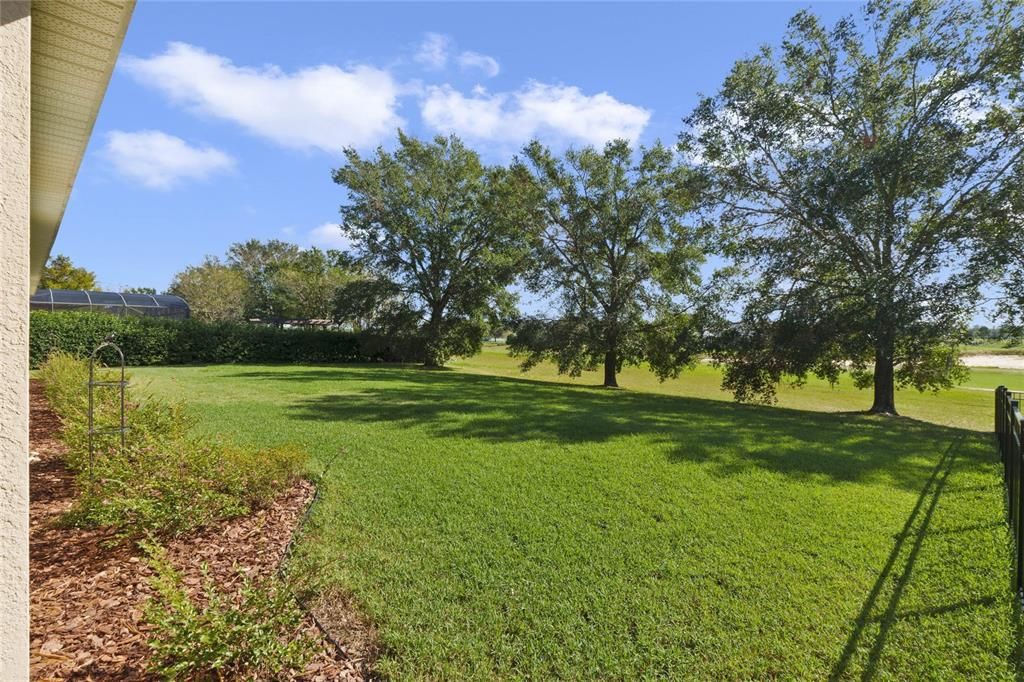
column 272, row 280
column 214, row 291
column 611, row 248
column 305, row 288
column 444, row 229
column 260, row 263
column 60, row 273
column 851, row 172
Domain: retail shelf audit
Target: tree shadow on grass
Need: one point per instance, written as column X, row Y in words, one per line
column 730, row 438
column 727, row 438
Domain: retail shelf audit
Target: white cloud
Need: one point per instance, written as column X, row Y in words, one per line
column 158, row 160
column 329, row 236
column 538, row 109
column 474, row 60
column 436, row 49
column 433, row 51
column 971, row 106
column 324, row 107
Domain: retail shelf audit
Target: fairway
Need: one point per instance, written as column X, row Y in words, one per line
column 494, row 526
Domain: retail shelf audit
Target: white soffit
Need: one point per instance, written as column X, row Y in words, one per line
column 75, row 44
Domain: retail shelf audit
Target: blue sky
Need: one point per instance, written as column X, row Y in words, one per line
column 223, row 120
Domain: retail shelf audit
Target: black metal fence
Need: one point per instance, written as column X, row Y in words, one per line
column 1008, row 433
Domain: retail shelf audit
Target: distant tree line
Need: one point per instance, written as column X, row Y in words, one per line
column 861, row 186
column 862, row 183
column 271, row 281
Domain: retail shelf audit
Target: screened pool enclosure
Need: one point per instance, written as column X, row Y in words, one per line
column 124, row 305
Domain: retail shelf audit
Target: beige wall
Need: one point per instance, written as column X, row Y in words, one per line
column 15, row 60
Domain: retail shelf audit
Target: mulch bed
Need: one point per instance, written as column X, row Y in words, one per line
column 88, row 591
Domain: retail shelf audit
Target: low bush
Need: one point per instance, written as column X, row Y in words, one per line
column 164, row 480
column 64, row 380
column 156, row 341
column 254, row 633
column 257, row 475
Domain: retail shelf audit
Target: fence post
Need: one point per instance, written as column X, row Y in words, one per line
column 1019, row 539
column 1011, row 435
column 999, row 402
column 999, row 434
column 1015, row 454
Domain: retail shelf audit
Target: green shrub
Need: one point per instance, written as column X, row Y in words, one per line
column 163, row 481
column 65, row 383
column 257, row 475
column 167, row 488
column 64, row 378
column 156, row 341
column 252, row 634
column 177, row 485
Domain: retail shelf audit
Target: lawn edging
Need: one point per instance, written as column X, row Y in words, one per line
column 366, row 653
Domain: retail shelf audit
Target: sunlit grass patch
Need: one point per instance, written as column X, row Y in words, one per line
column 499, row 527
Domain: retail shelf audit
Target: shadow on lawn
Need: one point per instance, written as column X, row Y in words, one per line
column 729, row 437
column 914, row 531
column 899, row 567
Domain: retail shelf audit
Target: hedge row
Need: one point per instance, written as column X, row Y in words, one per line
column 155, row 341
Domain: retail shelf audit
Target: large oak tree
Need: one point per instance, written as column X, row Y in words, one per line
column 852, row 171
column 441, row 227
column 611, row 249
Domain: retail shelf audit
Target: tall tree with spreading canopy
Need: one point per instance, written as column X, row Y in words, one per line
column 306, row 287
column 441, row 226
column 1006, row 250
column 215, row 292
column 612, row 249
column 851, row 171
column 60, row 273
column 260, row 263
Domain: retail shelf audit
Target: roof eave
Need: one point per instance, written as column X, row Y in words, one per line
column 74, row 49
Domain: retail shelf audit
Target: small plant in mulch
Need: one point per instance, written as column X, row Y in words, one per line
column 254, row 632
column 163, row 481
column 167, row 485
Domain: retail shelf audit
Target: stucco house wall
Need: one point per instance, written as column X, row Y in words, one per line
column 15, row 126
column 56, row 57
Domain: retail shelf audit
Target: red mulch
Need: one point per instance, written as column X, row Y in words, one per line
column 88, row 592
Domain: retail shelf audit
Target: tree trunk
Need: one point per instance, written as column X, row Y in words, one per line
column 885, row 385
column 433, row 358
column 610, row 362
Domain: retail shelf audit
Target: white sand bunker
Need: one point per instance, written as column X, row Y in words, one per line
column 999, row 361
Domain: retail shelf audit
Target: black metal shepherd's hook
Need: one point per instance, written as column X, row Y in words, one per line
column 108, row 342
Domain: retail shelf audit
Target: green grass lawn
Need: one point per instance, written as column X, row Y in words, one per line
column 993, row 348
column 499, row 527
